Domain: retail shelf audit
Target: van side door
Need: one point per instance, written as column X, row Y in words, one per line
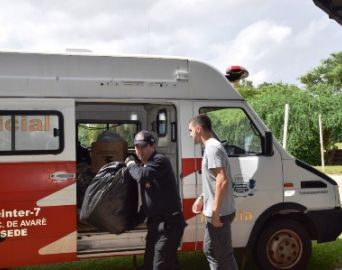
column 37, row 181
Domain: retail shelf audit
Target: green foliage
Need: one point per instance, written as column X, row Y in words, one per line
column 234, row 127
column 88, row 133
column 227, row 124
column 331, row 170
column 322, row 95
column 303, row 132
column 329, row 73
column 246, row 88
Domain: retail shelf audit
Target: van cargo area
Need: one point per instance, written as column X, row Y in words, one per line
column 117, row 123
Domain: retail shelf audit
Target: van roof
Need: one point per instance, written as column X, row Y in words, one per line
column 89, row 75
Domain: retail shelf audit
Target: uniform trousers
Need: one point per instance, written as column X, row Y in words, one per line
column 162, row 241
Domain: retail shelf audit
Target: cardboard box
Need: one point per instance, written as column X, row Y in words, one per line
column 105, row 152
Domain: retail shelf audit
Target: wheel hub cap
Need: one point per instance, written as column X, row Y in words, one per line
column 284, row 249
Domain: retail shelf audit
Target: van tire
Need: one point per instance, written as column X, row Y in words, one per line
column 283, row 244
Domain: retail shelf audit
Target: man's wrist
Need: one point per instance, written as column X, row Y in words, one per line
column 215, row 213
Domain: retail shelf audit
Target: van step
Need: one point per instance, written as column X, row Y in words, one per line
column 90, row 243
column 108, row 252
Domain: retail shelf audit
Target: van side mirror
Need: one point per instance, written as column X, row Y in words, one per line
column 268, row 143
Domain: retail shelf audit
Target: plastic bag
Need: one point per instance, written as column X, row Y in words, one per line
column 111, row 200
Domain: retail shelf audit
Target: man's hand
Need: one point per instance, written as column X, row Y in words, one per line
column 215, row 220
column 130, row 161
column 197, row 207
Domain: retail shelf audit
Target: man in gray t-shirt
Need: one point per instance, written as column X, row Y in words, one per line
column 216, row 201
column 214, row 157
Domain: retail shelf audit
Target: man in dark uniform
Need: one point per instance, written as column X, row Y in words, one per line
column 160, row 201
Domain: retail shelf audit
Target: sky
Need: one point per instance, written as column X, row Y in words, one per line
column 275, row 40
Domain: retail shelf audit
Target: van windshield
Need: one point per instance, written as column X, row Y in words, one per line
column 235, row 130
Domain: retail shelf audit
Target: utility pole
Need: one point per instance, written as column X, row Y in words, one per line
column 286, row 120
column 321, row 140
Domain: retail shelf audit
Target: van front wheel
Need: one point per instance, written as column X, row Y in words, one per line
column 284, row 244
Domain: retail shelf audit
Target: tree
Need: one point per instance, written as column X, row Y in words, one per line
column 303, row 132
column 325, row 82
column 246, row 88
column 321, row 94
column 328, row 73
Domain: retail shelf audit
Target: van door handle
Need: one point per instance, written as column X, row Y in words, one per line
column 62, row 176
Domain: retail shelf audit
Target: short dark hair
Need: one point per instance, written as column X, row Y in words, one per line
column 202, row 120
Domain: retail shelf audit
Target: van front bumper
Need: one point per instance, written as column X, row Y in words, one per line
column 327, row 223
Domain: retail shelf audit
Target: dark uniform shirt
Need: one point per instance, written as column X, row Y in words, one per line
column 157, row 186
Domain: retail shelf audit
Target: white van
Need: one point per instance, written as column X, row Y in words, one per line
column 51, row 102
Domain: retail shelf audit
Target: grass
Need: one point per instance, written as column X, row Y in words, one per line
column 327, row 256
column 330, row 169
column 339, row 145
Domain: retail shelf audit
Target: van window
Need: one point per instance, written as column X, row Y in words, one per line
column 89, row 132
column 162, row 123
column 235, row 130
column 31, row 132
column 5, row 133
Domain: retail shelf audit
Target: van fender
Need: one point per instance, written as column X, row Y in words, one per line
column 277, row 209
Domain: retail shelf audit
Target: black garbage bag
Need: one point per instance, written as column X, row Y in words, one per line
column 111, row 200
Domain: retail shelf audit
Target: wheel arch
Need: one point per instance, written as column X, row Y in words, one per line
column 289, row 210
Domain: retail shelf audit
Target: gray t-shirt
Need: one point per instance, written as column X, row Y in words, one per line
column 215, row 156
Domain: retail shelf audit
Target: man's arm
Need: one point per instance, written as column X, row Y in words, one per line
column 220, row 190
column 149, row 171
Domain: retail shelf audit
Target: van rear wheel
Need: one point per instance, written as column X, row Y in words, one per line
column 284, row 244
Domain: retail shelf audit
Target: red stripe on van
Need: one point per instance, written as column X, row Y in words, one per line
column 191, row 246
column 187, row 208
column 190, row 165
column 29, row 178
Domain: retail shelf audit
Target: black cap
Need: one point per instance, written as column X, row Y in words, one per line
column 143, row 138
